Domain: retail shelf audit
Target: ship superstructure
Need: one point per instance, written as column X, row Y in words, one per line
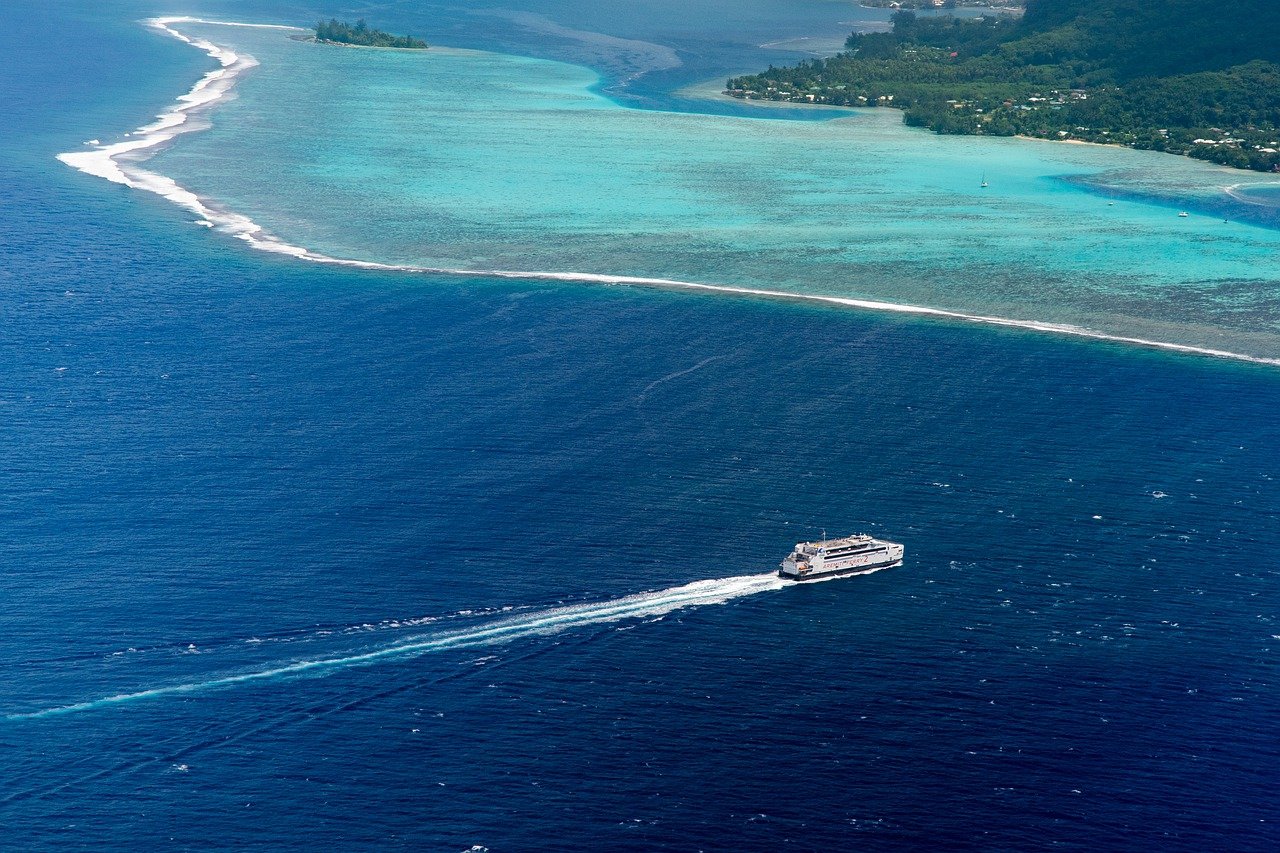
column 848, row 555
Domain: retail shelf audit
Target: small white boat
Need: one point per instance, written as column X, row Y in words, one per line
column 1184, row 213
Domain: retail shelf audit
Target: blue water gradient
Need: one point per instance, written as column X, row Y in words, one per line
column 373, row 155
column 217, row 463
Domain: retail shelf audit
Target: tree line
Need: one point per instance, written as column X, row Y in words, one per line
column 341, row 32
column 1182, row 76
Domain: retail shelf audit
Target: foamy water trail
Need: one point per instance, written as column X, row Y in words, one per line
column 501, row 630
column 119, row 163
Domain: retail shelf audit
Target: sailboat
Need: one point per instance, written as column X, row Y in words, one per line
column 984, row 180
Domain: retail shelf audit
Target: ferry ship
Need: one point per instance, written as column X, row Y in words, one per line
column 830, row 557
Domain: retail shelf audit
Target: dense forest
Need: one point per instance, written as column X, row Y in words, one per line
column 340, row 32
column 1184, row 76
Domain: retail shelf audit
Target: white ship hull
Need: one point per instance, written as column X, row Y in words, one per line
column 851, row 555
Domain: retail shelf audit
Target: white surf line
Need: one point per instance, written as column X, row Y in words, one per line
column 548, row 621
column 118, row 163
column 109, row 161
column 1235, row 191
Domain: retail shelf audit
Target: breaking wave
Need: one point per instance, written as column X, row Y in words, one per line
column 120, row 163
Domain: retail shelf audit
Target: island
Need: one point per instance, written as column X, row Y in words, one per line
column 340, row 32
column 1186, row 77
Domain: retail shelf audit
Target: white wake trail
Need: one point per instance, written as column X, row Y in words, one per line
column 538, row 623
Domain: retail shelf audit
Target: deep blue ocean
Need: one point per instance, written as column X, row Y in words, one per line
column 298, row 557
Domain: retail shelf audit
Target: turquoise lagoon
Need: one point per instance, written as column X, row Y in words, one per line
column 468, row 160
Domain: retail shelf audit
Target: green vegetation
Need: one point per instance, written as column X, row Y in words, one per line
column 1183, row 76
column 343, row 33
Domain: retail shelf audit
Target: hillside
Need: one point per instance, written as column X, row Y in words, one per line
column 1183, row 76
